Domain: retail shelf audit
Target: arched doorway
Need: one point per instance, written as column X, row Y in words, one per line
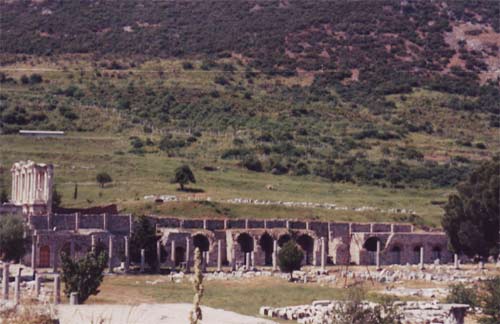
column 266, row 243
column 306, row 243
column 283, row 239
column 201, row 241
column 396, row 255
column 371, row 246
column 436, row 253
column 416, row 254
column 246, row 242
column 180, row 255
column 44, row 257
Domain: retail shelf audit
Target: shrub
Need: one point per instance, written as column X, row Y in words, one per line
column 183, row 175
column 187, row 65
column 143, row 237
column 83, row 276
column 490, row 301
column 252, row 163
column 461, row 294
column 102, row 178
column 290, row 257
column 11, row 238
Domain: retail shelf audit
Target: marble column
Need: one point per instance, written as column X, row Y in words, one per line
column 172, row 252
column 455, row 261
column 33, row 251
column 247, row 261
column 275, row 255
column 73, row 298
column 38, row 283
column 188, row 254
column 110, row 254
column 57, row 290
column 127, row 253
column 233, row 258
column 93, row 242
column 143, row 259
column 323, row 254
column 5, row 282
column 17, row 289
column 377, row 256
column 422, row 267
column 219, row 255
column 158, row 256
column 53, row 251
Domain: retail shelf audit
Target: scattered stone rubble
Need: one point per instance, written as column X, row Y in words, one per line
column 412, row 312
column 391, row 274
column 302, row 204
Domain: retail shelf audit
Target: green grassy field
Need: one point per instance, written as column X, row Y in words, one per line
column 78, row 157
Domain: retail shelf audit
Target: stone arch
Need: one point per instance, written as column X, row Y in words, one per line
column 437, row 252
column 416, row 254
column 44, row 257
column 266, row 243
column 396, row 255
column 202, row 242
column 283, row 239
column 371, row 244
column 180, row 255
column 306, row 243
column 246, row 242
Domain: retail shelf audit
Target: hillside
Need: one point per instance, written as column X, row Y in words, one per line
column 387, row 97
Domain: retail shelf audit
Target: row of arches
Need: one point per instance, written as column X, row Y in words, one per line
column 396, row 251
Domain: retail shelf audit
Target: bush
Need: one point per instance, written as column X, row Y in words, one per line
column 490, row 301
column 183, row 176
column 143, row 237
column 102, row 178
column 187, row 65
column 11, row 238
column 252, row 163
column 460, row 294
column 290, row 257
column 83, row 276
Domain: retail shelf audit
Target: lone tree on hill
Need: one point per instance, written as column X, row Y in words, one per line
column 471, row 217
column 290, row 257
column 83, row 276
column 102, row 178
column 11, row 238
column 183, row 176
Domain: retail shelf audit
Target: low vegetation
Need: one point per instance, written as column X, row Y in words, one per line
column 12, row 240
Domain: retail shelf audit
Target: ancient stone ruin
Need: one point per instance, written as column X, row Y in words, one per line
column 237, row 243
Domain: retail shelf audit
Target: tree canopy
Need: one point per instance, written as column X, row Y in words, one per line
column 472, row 215
column 290, row 257
column 83, row 276
column 143, row 237
column 183, row 176
column 102, row 178
column 11, row 238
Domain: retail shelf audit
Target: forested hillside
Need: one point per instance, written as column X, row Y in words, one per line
column 388, row 93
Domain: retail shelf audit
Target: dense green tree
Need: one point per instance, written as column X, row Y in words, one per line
column 461, row 294
column 183, row 176
column 472, row 215
column 11, row 237
column 3, row 196
column 290, row 257
column 102, row 178
column 143, row 237
column 491, row 301
column 83, row 276
column 56, row 199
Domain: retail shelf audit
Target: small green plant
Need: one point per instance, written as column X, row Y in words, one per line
column 490, row 301
column 183, row 176
column 11, row 237
column 83, row 276
column 290, row 257
column 461, row 294
column 102, row 178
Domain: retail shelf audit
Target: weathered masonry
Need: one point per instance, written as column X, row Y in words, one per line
column 243, row 242
column 224, row 242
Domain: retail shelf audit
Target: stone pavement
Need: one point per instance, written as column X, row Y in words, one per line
column 148, row 313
